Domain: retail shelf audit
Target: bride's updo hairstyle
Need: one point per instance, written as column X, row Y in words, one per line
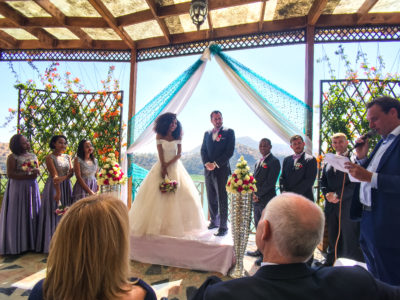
column 163, row 122
column 89, row 252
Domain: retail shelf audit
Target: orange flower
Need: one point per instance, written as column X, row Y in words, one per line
column 95, row 135
column 73, row 110
column 116, row 153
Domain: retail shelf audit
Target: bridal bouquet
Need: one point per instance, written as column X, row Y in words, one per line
column 61, row 209
column 168, row 185
column 111, row 172
column 29, row 165
column 241, row 181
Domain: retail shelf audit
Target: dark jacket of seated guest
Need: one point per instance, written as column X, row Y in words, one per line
column 37, row 291
column 298, row 281
column 287, row 234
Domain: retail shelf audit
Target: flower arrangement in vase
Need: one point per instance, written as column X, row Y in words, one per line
column 241, row 181
column 111, row 173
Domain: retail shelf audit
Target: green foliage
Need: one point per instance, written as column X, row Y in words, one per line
column 76, row 113
column 343, row 102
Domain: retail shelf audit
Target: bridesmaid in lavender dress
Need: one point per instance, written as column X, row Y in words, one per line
column 21, row 202
column 57, row 190
column 85, row 169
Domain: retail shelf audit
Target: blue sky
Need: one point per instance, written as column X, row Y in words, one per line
column 282, row 65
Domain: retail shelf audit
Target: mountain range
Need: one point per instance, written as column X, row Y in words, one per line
column 245, row 146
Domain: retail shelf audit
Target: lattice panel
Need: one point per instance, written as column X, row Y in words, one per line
column 343, row 107
column 66, row 55
column 355, row 34
column 93, row 116
column 233, row 43
column 3, row 184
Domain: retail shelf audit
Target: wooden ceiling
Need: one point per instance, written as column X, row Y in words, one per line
column 140, row 24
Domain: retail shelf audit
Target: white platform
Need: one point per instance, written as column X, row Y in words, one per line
column 206, row 252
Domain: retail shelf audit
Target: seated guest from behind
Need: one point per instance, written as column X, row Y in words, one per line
column 289, row 230
column 89, row 255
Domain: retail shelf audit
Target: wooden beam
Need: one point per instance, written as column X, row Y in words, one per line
column 352, row 19
column 183, row 8
column 138, row 17
column 60, row 18
column 8, row 40
column 309, row 78
column 260, row 23
column 315, row 11
column 132, row 110
column 366, row 7
column 161, row 23
column 111, row 21
column 52, row 10
column 11, row 14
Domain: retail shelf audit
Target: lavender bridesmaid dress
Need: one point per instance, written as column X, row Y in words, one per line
column 19, row 212
column 48, row 219
column 88, row 173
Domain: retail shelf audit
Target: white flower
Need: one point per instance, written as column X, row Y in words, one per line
column 244, row 192
column 240, row 182
column 247, row 177
column 237, row 171
column 106, row 166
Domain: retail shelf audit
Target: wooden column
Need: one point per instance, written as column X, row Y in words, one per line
column 309, row 77
column 132, row 109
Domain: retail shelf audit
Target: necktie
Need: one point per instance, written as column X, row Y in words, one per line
column 296, row 156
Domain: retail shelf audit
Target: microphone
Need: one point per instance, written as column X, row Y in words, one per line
column 368, row 135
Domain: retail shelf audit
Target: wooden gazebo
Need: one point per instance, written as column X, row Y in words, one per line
column 137, row 30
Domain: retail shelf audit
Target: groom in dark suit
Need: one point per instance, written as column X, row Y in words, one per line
column 298, row 170
column 216, row 150
column 287, row 234
column 266, row 172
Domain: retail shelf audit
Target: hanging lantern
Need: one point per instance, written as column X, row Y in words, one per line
column 198, row 12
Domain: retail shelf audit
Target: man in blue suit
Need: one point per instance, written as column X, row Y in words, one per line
column 377, row 198
column 289, row 230
column 216, row 150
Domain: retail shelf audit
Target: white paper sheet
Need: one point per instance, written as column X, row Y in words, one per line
column 338, row 162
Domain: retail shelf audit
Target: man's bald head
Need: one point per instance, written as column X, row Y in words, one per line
column 296, row 226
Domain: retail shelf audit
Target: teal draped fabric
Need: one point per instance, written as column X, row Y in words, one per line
column 146, row 116
column 286, row 108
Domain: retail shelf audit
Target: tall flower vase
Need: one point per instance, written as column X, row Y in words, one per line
column 114, row 190
column 240, row 221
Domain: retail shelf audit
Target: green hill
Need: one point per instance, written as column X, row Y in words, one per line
column 192, row 160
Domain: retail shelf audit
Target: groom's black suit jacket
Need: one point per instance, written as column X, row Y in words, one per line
column 300, row 282
column 219, row 151
column 299, row 180
column 266, row 174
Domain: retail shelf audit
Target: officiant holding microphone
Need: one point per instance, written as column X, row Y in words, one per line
column 216, row 150
column 376, row 199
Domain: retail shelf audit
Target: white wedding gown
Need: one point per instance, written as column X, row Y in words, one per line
column 176, row 214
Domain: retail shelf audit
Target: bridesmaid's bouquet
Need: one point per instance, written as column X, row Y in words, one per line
column 61, row 209
column 241, row 181
column 29, row 165
column 111, row 172
column 168, row 185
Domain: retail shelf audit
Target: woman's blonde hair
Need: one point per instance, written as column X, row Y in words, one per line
column 89, row 252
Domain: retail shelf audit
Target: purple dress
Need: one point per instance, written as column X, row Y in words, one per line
column 19, row 212
column 88, row 173
column 48, row 219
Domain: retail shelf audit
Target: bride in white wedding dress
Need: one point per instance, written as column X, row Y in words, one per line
column 176, row 214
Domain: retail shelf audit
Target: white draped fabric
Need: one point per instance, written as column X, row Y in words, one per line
column 265, row 112
column 175, row 106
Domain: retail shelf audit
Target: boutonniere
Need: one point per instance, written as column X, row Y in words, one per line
column 264, row 165
column 298, row 166
column 218, row 138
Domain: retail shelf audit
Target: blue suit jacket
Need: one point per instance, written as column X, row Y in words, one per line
column 385, row 206
column 300, row 282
